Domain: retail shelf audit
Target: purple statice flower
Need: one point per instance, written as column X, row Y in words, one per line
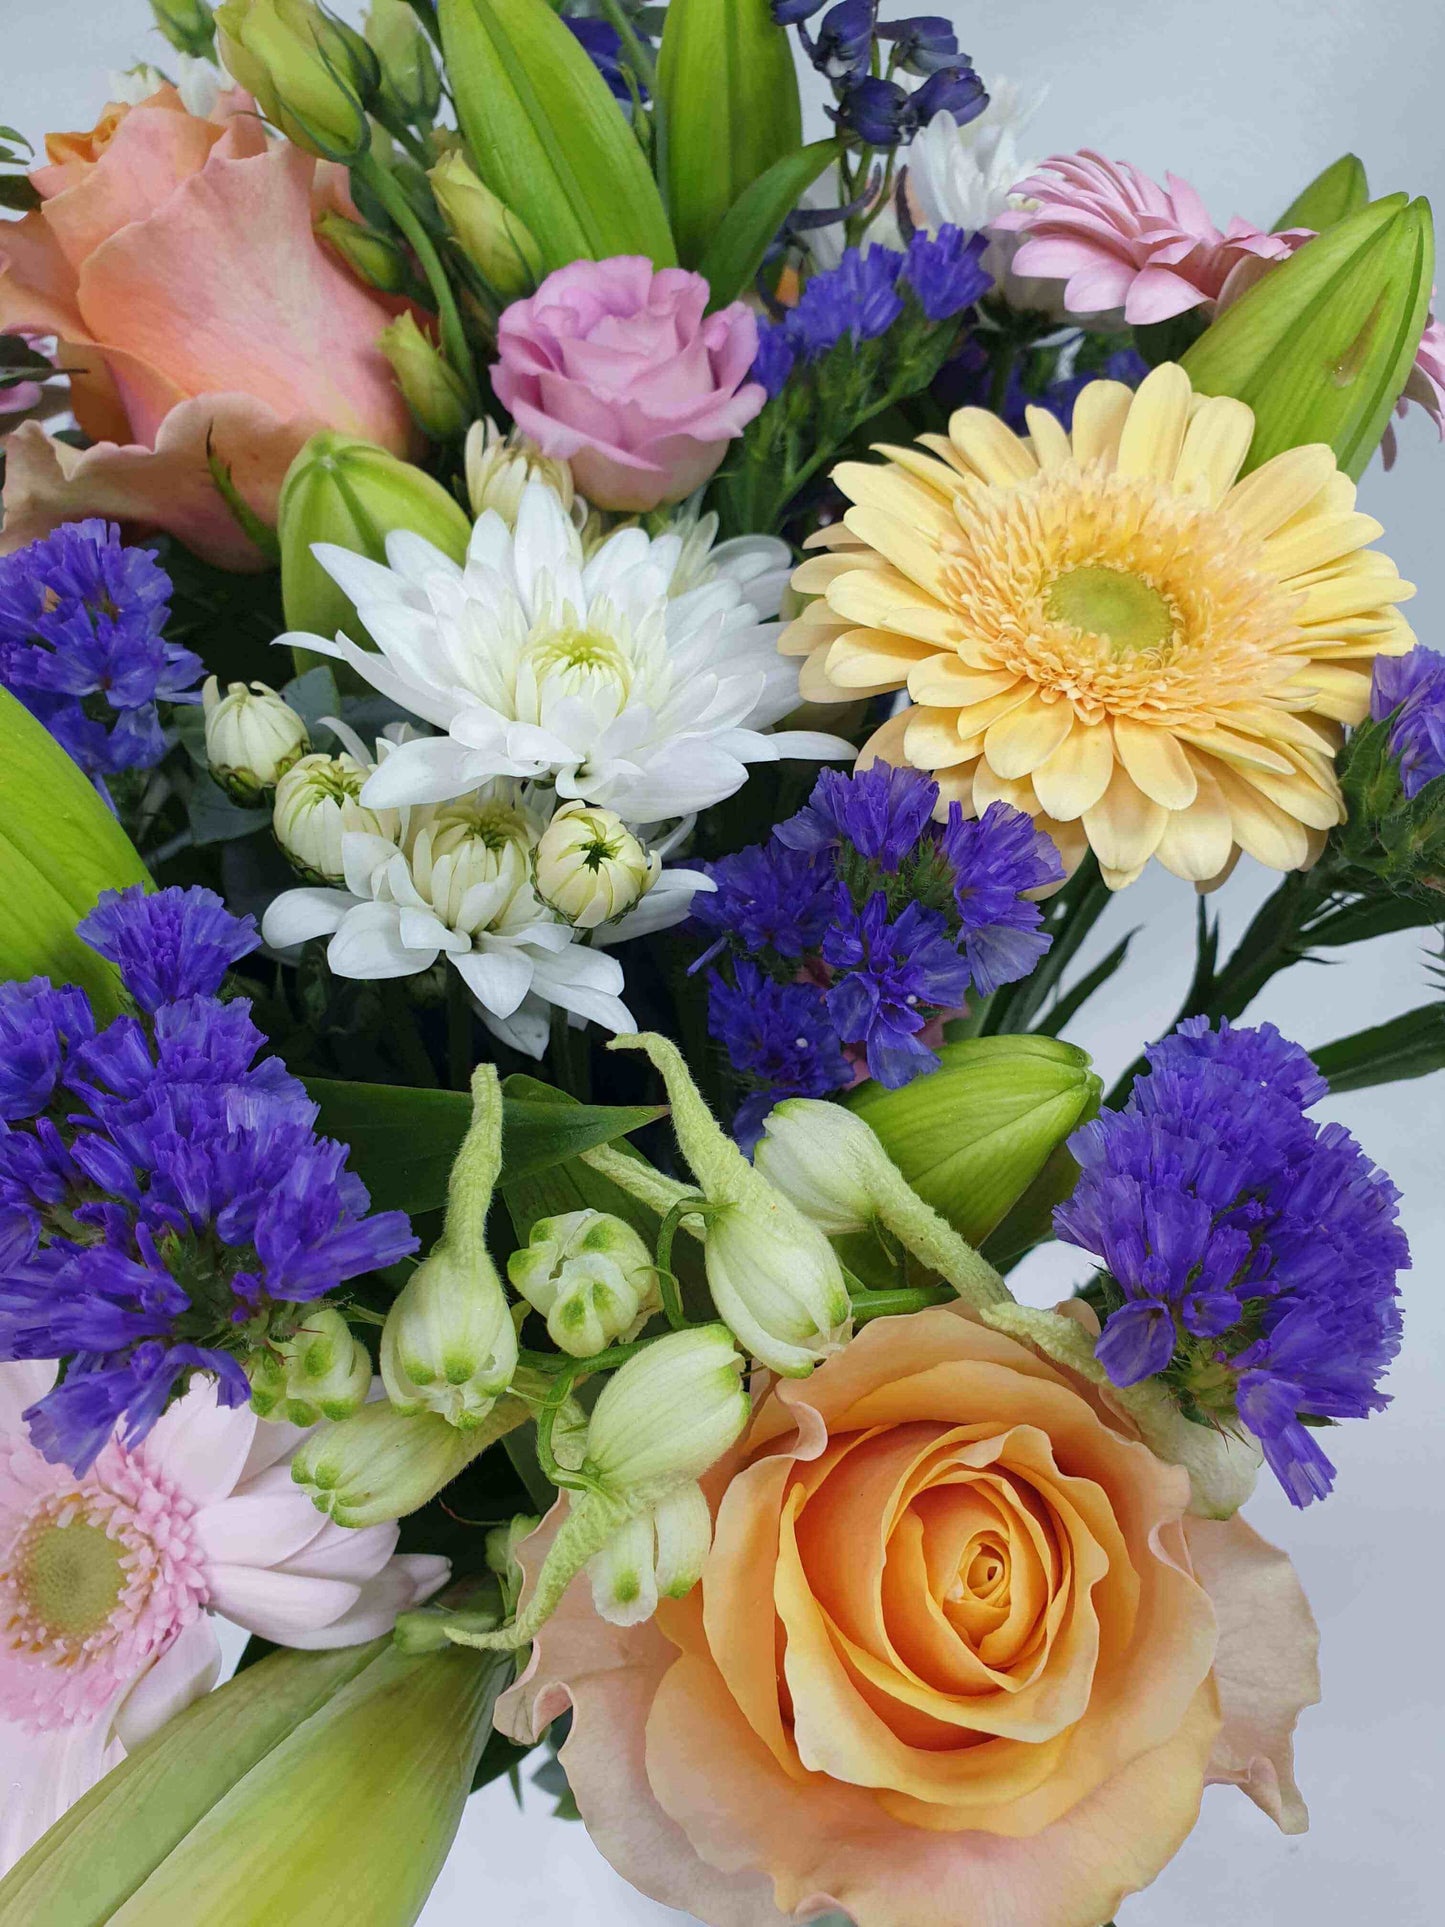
column 966, row 380
column 882, row 812
column 777, row 1037
column 889, row 976
column 996, row 859
column 168, row 944
column 1255, row 1252
column 165, row 1202
column 775, row 360
column 768, row 897
column 858, row 299
column 1411, row 689
column 82, row 645
column 945, row 273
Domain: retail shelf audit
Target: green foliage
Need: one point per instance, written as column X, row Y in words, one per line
column 737, row 243
column 1412, row 1045
column 1340, row 190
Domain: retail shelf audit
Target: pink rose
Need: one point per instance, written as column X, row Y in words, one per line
column 174, row 258
column 617, row 368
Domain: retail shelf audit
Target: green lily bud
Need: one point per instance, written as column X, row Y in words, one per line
column 411, row 88
column 591, row 1277
column 312, row 76
column 327, row 1369
column 380, row 1464
column 59, row 848
column 669, row 1413
column 312, row 1787
column 497, row 242
column 972, row 1138
column 253, row 736
column 189, row 25
column 1321, row 347
column 774, row 1277
column 354, row 494
column 449, row 1345
column 1340, row 190
column 435, row 393
column 658, row 1554
column 317, row 802
column 372, row 257
column 500, row 466
column 589, row 866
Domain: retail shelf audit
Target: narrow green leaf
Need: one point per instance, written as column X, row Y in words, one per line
column 1073, row 999
column 737, row 247
column 1370, row 917
column 403, row 1140
column 1340, row 190
column 1409, row 1046
column 546, row 136
column 727, row 92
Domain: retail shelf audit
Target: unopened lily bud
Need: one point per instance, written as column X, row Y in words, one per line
column 669, row 1413
column 316, row 804
column 189, row 25
column 590, row 867
column 500, row 466
column 434, row 391
column 253, row 736
column 379, row 1464
column 659, row 1554
column 496, row 241
column 411, row 87
column 773, row 1275
column 311, row 74
column 327, row 1370
column 591, row 1277
column 373, row 257
column 449, row 1345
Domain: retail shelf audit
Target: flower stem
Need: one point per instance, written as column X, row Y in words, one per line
column 459, row 1032
column 403, row 1035
column 639, row 59
column 454, row 335
column 895, row 1304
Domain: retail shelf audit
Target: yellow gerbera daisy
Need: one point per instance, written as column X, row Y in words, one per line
column 1109, row 631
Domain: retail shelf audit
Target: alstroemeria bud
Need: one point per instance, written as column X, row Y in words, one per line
column 411, row 88
column 669, row 1413
column 434, row 391
column 189, row 25
column 449, row 1345
column 380, row 1464
column 372, row 257
column 773, row 1275
column 327, row 1369
column 590, row 867
column 310, row 74
column 316, row 804
column 658, row 1554
column 354, row 494
column 497, row 242
column 253, row 736
column 501, row 1549
column 500, row 466
column 591, row 1277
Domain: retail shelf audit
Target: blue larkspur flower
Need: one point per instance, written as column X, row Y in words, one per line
column 889, row 976
column 1414, row 686
column 844, row 40
column 82, row 645
column 777, row 1036
column 945, row 271
column 923, row 44
column 1256, row 1252
column 165, row 1202
column 603, row 46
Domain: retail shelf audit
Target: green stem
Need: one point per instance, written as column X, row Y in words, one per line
column 639, row 59
column 474, row 1172
column 666, row 1277
column 459, row 1032
column 893, row 1304
column 454, row 335
column 559, row 1393
column 403, row 1035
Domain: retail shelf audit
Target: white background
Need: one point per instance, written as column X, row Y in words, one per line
column 1247, row 99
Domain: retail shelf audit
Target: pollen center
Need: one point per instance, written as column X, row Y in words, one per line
column 71, row 1577
column 1120, row 607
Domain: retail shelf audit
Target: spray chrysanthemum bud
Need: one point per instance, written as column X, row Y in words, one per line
column 591, row 1277
column 317, row 802
column 590, row 868
column 500, row 466
column 253, row 736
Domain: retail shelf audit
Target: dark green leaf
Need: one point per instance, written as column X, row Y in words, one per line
column 733, row 255
column 16, row 192
column 216, row 819
column 1409, row 1046
column 1377, row 916
column 1160, row 341
column 500, row 1755
column 1074, row 998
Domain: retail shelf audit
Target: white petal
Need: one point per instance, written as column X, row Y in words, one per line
column 298, row 915
column 433, row 769
column 368, row 945
column 416, row 560
column 364, row 855
column 278, row 1605
column 200, row 1444
column 666, row 903
column 357, row 576
column 187, row 1669
column 499, row 977
column 527, row 1029
column 42, row 1774
column 257, row 1528
column 809, row 746
column 405, row 1582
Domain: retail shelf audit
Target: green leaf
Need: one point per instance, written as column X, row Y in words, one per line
column 546, row 136
column 17, row 192
column 1074, row 998
column 727, row 93
column 737, row 246
column 1374, row 916
column 1340, row 190
column 1409, row 1046
column 403, row 1140
column 1161, row 341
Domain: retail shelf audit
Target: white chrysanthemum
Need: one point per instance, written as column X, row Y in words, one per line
column 585, row 673
column 963, row 176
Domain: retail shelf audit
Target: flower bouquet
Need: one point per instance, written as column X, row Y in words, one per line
column 577, row 672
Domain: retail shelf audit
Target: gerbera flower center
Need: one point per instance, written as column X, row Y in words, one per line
column 71, row 1574
column 1122, row 608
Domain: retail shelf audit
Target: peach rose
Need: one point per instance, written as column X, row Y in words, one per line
column 958, row 1658
column 174, row 258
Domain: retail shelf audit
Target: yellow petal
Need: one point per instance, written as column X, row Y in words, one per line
column 815, row 685
column 1232, row 747
column 1357, row 593
column 1124, row 826
column 815, row 575
column 975, row 719
column 1262, row 829
column 1078, row 772
column 868, row 659
column 941, row 477
column 833, row 535
column 1048, row 438
column 1320, row 539
column 1156, row 762
column 869, row 485
column 932, row 740
column 1027, row 736
column 990, row 787
column 947, row 682
column 906, row 546
column 944, row 449
column 887, row 600
column 814, row 629
column 1099, row 417
column 990, row 447
column 1335, row 691
column 1265, row 500
column 1197, row 841
column 1312, row 799
column 1154, row 431
column 1215, row 446
column 885, row 745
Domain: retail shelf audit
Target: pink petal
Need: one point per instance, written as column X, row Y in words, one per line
column 187, row 1669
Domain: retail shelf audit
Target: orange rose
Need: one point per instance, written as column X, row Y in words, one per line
column 175, row 258
column 958, row 1657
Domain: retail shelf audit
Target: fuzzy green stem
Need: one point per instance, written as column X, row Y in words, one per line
column 475, row 1171
column 454, row 335
column 640, row 1181
column 638, row 58
column 934, row 1242
column 591, row 1521
column 894, row 1304
column 666, row 1278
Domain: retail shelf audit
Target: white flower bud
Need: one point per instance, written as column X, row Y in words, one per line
column 449, row 1345
column 590, row 867
column 590, row 1276
column 253, row 737
column 500, row 466
column 669, row 1413
column 316, row 804
column 327, row 1369
column 378, row 1464
column 826, row 1160
column 658, row 1554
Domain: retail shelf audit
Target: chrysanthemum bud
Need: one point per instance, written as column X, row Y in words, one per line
column 372, row 257
column 591, row 1277
column 316, row 804
column 253, row 736
column 311, row 75
column 449, row 1345
column 658, row 1554
column 495, row 240
column 411, row 89
column 500, row 466
column 773, row 1275
column 434, row 391
column 590, row 867
column 669, row 1413
column 327, row 1369
column 379, row 1464
column 189, row 25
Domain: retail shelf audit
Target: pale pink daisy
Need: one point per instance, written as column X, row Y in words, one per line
column 1121, row 242
column 109, row 1584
